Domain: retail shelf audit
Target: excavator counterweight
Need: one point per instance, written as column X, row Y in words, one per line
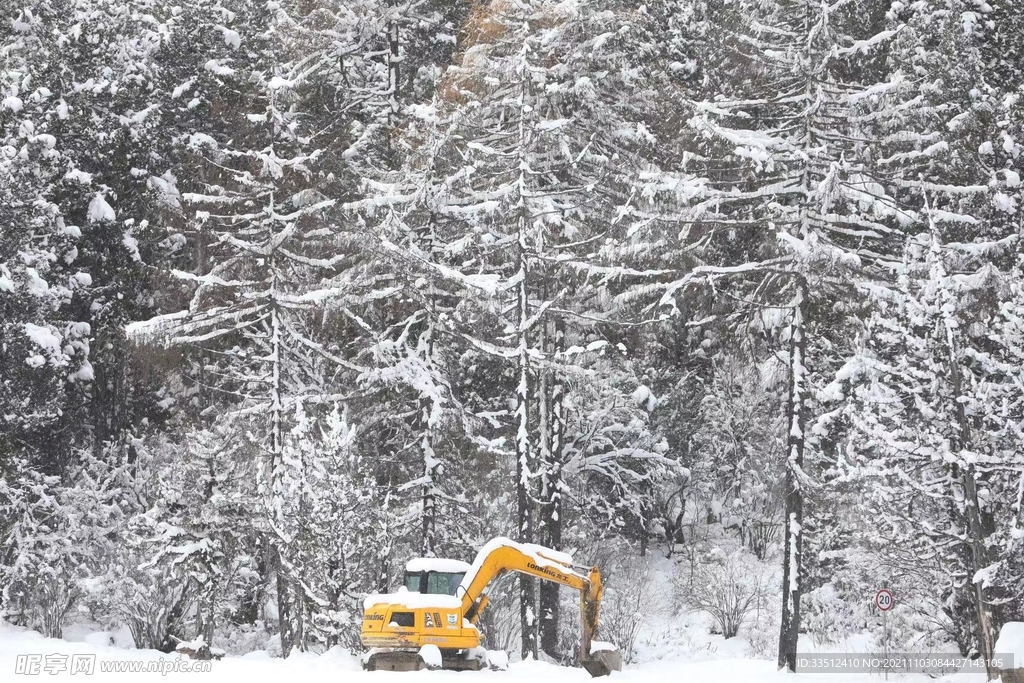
column 431, row 621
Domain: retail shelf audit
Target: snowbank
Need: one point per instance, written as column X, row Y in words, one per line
column 336, row 664
column 1011, row 642
column 431, row 656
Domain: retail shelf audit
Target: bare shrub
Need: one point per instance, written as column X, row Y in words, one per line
column 761, row 536
column 42, row 604
column 625, row 604
column 761, row 629
column 628, row 600
column 690, row 556
column 153, row 604
column 499, row 623
column 56, row 601
column 730, row 587
column 763, row 639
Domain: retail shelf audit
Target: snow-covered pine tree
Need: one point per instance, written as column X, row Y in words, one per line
column 793, row 211
column 741, row 443
column 960, row 142
column 336, row 544
column 75, row 98
column 934, row 396
column 46, row 344
column 256, row 292
column 98, row 78
column 43, row 347
column 192, row 533
column 368, row 63
column 518, row 165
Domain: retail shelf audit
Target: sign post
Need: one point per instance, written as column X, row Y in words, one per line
column 885, row 601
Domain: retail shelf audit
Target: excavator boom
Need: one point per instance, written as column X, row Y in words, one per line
column 502, row 555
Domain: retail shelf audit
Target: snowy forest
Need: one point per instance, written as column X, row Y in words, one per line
column 292, row 291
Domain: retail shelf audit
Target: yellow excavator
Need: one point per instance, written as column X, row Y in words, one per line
column 430, row 623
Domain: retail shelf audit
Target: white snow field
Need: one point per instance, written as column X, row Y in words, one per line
column 339, row 666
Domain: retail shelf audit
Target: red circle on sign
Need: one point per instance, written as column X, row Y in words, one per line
column 884, row 600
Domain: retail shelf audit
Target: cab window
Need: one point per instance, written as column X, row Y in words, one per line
column 412, row 582
column 443, row 584
column 407, row 619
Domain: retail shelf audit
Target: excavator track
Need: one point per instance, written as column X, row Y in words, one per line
column 397, row 660
column 410, row 660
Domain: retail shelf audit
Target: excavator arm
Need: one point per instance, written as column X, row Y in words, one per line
column 501, row 556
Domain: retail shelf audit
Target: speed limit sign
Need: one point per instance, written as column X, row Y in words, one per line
column 884, row 600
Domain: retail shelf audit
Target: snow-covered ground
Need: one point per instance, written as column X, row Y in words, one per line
column 337, row 665
column 672, row 643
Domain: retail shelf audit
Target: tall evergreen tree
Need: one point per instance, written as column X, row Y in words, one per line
column 783, row 154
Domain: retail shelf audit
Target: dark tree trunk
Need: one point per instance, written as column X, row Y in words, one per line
column 299, row 608
column 551, row 498
column 284, row 612
column 394, row 61
column 382, row 571
column 524, row 460
column 430, row 463
column 793, row 540
column 429, row 530
column 976, row 533
column 334, row 573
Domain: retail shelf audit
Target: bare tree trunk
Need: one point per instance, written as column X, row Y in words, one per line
column 300, row 616
column 429, row 530
column 975, row 528
column 276, row 464
column 394, row 61
column 284, row 612
column 551, row 499
column 976, row 532
column 524, row 447
column 527, row 593
column 792, row 548
column 383, row 570
column 335, row 576
column 430, row 464
column 207, row 592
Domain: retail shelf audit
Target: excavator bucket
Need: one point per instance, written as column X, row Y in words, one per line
column 603, row 659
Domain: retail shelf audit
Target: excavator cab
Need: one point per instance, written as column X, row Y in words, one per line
column 434, row 576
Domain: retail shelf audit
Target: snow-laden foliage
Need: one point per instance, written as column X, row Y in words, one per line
column 935, row 416
column 291, row 292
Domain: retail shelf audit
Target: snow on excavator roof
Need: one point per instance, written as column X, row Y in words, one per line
column 436, row 564
column 412, row 600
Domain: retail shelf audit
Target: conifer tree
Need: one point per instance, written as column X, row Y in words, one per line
column 794, row 209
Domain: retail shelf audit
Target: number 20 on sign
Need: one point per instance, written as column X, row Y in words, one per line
column 884, row 601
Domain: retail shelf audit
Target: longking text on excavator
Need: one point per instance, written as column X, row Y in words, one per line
column 431, row 621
